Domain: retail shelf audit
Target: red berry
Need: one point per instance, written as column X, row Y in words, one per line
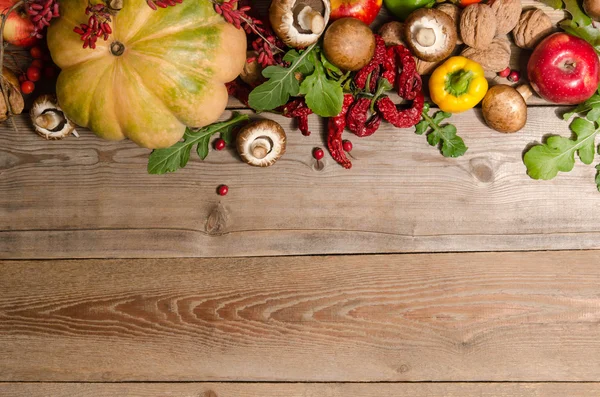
column 220, row 144
column 38, row 63
column 347, row 146
column 318, row 153
column 504, row 73
column 223, row 190
column 49, row 72
column 22, row 78
column 33, row 73
column 514, row 76
column 36, row 52
column 27, row 87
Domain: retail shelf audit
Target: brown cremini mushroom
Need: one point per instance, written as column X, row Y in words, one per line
column 261, row 143
column 505, row 108
column 430, row 34
column 299, row 23
column 454, row 12
column 49, row 120
column 349, row 44
column 392, row 33
column 252, row 73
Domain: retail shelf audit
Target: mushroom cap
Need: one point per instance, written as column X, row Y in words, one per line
column 261, row 143
column 504, row 108
column 428, row 21
column 48, row 118
column 349, row 44
column 294, row 23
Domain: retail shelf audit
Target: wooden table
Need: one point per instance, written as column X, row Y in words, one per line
column 409, row 275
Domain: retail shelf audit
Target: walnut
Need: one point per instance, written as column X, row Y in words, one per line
column 532, row 27
column 477, row 25
column 453, row 11
column 425, row 67
column 494, row 57
column 392, row 33
column 507, row 14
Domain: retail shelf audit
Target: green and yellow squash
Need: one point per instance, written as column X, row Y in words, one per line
column 159, row 71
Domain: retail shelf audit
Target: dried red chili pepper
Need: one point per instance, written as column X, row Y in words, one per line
column 373, row 67
column 408, row 81
column 356, row 118
column 239, row 90
column 335, row 128
column 402, row 118
column 297, row 109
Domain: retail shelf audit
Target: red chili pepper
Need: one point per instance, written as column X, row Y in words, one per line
column 408, row 82
column 239, row 90
column 298, row 110
column 335, row 128
column 403, row 118
column 374, row 65
column 357, row 118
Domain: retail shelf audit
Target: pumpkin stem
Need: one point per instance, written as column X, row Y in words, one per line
column 117, row 48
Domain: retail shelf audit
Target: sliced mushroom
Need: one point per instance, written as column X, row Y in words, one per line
column 261, row 143
column 299, row 23
column 49, row 120
column 430, row 34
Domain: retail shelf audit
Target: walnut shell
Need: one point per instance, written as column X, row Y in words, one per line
column 532, row 27
column 477, row 25
column 454, row 12
column 493, row 58
column 426, row 67
column 392, row 33
column 507, row 14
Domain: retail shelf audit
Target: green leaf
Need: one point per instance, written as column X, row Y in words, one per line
column 577, row 14
column 590, row 104
column 281, row 83
column 598, row 177
column 323, row 96
column 451, row 144
column 556, row 4
column 303, row 64
column 175, row 157
column 330, row 66
column 558, row 153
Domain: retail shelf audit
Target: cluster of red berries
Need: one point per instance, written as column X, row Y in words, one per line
column 41, row 12
column 510, row 74
column 96, row 27
column 40, row 66
column 154, row 4
column 318, row 153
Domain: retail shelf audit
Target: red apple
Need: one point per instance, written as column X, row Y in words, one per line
column 564, row 69
column 19, row 28
column 365, row 10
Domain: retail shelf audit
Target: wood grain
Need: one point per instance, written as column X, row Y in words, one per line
column 300, row 390
column 432, row 317
column 88, row 197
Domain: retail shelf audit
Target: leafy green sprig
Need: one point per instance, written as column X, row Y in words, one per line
column 579, row 24
column 177, row 156
column 452, row 145
column 319, row 81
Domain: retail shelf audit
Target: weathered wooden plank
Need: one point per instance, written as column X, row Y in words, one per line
column 92, row 198
column 299, row 390
column 443, row 317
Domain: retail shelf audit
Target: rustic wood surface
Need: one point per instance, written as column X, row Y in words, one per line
column 300, row 390
column 448, row 324
column 445, row 317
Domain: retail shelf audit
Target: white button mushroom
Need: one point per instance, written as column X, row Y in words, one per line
column 261, row 143
column 299, row 23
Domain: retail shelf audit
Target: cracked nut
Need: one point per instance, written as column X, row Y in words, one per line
column 532, row 27
column 507, row 14
column 493, row 58
column 478, row 25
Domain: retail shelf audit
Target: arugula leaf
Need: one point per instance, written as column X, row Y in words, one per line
column 177, row 156
column 323, row 96
column 598, row 177
column 452, row 144
column 592, row 104
column 304, row 66
column 281, row 83
column 577, row 14
column 558, row 153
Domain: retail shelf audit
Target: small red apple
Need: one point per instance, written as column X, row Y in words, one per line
column 18, row 28
column 365, row 10
column 564, row 69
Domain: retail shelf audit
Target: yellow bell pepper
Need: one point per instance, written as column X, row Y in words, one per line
column 457, row 85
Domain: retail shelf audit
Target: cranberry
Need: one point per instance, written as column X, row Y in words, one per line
column 38, row 63
column 33, row 73
column 318, row 153
column 27, row 87
column 504, row 73
column 347, row 146
column 220, row 144
column 36, row 52
column 223, row 190
column 514, row 76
